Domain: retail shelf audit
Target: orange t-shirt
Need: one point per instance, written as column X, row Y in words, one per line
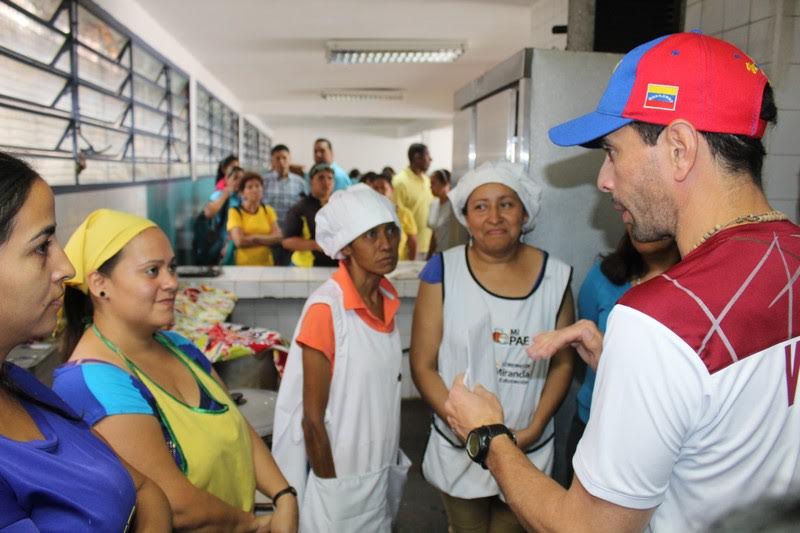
column 316, row 330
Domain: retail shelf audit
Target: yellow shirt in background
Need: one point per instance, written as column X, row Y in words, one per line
column 413, row 192
column 407, row 227
column 259, row 223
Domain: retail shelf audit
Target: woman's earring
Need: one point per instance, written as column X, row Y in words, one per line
column 102, row 294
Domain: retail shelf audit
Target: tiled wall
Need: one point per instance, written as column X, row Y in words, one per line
column 768, row 30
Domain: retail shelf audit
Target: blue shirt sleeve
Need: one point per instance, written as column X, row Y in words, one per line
column 188, row 348
column 588, row 305
column 96, row 389
column 433, row 272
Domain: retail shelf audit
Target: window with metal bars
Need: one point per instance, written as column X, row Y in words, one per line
column 256, row 149
column 217, row 132
column 86, row 102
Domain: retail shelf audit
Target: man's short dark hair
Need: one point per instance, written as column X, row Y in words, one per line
column 736, row 153
column 326, row 141
column 279, row 148
column 415, row 150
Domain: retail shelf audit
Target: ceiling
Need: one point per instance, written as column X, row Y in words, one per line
column 271, row 53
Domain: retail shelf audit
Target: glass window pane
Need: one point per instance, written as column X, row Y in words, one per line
column 98, row 35
column 151, row 171
column 55, row 171
column 22, row 81
column 145, row 64
column 203, row 136
column 180, row 129
column 30, row 130
column 180, row 151
column 99, row 171
column 44, row 9
column 180, row 170
column 179, row 85
column 150, row 147
column 22, row 34
column 101, row 106
column 147, row 92
column 98, row 70
column 103, row 142
column 149, row 121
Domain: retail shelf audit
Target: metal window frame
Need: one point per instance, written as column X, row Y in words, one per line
column 73, row 82
column 216, row 128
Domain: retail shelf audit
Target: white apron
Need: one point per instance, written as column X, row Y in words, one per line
column 485, row 335
column 363, row 424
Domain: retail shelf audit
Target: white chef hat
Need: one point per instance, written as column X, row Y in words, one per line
column 512, row 175
column 348, row 214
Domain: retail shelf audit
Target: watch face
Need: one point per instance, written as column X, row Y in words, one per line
column 473, row 444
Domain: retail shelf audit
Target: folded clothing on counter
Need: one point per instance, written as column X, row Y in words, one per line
column 200, row 315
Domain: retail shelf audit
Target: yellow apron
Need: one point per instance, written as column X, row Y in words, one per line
column 215, row 444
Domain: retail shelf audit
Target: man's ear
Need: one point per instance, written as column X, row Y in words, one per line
column 98, row 283
column 682, row 142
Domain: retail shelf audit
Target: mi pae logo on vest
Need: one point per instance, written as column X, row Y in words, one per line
column 514, row 338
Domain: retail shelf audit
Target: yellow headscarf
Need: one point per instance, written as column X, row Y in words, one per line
column 104, row 233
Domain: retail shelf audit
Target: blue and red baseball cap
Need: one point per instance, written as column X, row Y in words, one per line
column 704, row 80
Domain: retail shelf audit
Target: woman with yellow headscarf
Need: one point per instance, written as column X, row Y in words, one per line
column 151, row 393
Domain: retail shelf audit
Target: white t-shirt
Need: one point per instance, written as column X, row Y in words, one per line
column 695, row 407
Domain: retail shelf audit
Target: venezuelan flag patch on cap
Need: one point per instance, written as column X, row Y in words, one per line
column 661, row 97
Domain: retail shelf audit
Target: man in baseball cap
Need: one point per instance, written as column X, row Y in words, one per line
column 697, row 384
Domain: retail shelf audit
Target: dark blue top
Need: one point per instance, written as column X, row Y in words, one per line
column 598, row 295
column 70, row 481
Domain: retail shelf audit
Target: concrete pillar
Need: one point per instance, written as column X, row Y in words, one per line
column 580, row 25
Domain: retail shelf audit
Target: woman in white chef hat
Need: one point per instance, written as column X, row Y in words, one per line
column 338, row 407
column 477, row 309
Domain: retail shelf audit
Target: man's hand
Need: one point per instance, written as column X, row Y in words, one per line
column 583, row 335
column 467, row 410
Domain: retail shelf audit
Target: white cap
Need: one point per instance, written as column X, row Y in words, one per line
column 349, row 213
column 512, row 175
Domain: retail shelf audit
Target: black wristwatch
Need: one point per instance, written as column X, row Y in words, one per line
column 479, row 439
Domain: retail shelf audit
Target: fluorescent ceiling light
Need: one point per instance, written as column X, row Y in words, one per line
column 363, row 51
column 353, row 95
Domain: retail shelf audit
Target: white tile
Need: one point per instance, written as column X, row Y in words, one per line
column 692, row 21
column 737, row 37
column 711, row 17
column 759, row 41
column 296, row 289
column 787, row 95
column 247, row 289
column 736, row 13
column 760, row 9
column 270, row 289
column 784, row 137
column 782, row 177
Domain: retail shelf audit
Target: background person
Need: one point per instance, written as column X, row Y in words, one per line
column 382, row 184
column 55, row 475
column 282, row 189
column 439, row 212
column 323, row 155
column 503, row 292
column 253, row 226
column 216, row 212
column 694, row 409
column 413, row 191
column 299, row 227
column 151, row 393
column 631, row 264
column 338, row 407
column 223, row 169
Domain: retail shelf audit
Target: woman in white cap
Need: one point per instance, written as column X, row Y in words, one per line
column 338, row 407
column 478, row 307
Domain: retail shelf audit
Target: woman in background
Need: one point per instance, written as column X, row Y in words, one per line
column 151, row 393
column 632, row 263
column 216, row 211
column 55, row 474
column 440, row 212
column 253, row 226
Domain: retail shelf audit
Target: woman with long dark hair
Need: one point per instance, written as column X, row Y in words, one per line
column 55, row 475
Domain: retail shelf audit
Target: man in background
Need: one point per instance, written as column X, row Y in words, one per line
column 412, row 190
column 282, row 190
column 323, row 154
